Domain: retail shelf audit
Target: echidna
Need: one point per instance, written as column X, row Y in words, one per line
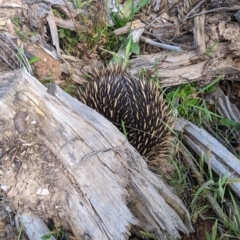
column 135, row 104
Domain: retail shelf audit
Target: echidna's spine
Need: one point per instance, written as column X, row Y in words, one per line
column 121, row 97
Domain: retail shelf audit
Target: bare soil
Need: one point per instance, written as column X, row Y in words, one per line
column 47, row 67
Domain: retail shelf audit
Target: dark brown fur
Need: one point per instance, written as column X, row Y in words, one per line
column 119, row 96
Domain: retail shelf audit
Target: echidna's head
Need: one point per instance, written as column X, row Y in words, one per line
column 135, row 104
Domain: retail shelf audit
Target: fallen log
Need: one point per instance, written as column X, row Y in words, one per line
column 215, row 154
column 64, row 161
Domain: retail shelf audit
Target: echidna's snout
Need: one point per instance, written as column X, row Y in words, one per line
column 121, row 97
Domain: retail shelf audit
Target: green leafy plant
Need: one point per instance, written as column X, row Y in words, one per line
column 93, row 38
column 124, row 128
column 213, row 235
column 16, row 21
column 34, row 59
column 80, row 3
column 188, row 100
column 47, row 79
column 201, row 189
column 57, row 13
column 232, row 223
column 129, row 9
column 141, row 4
column 20, row 34
column 148, row 235
column 131, row 47
column 230, row 123
column 19, row 233
column 218, row 187
column 213, row 48
column 70, row 87
column 57, row 232
column 189, row 104
column 126, row 13
column 178, row 177
column 69, row 40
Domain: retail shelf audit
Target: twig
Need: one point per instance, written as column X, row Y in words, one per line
column 167, row 40
column 193, row 9
column 161, row 45
column 154, row 20
column 11, row 5
column 212, row 10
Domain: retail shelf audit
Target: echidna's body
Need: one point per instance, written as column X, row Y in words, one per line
column 120, row 97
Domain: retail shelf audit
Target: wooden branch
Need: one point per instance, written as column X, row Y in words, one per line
column 62, row 160
column 182, row 68
column 221, row 161
column 160, row 45
column 174, row 68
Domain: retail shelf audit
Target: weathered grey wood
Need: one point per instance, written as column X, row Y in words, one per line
column 222, row 161
column 199, row 38
column 105, row 186
column 185, row 67
column 174, row 68
column 34, row 227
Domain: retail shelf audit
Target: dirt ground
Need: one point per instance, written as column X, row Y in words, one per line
column 200, row 228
